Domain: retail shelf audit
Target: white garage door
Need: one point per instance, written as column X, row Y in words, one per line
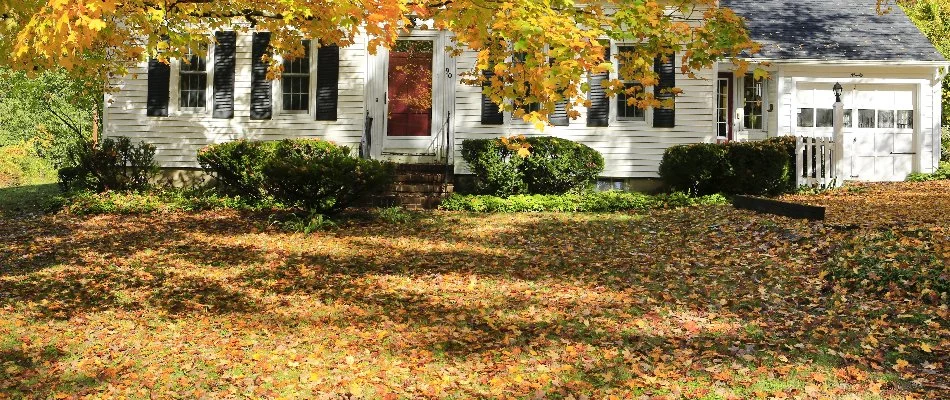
column 878, row 128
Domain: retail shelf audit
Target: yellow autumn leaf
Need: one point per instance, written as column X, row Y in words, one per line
column 900, row 364
column 926, row 347
column 97, row 24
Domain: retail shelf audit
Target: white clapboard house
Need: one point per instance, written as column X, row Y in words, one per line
column 890, row 72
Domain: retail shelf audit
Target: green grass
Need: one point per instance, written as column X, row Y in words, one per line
column 27, row 200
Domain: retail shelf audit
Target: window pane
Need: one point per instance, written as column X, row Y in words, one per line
column 885, row 118
column 295, row 83
column 847, row 118
column 752, row 97
column 627, row 111
column 806, row 117
column 905, row 119
column 193, row 80
column 825, row 118
column 865, row 118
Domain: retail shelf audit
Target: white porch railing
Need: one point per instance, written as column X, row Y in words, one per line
column 816, row 160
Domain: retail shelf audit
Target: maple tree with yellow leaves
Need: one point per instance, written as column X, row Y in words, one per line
column 560, row 41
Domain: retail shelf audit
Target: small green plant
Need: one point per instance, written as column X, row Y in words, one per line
column 942, row 172
column 395, row 215
column 87, row 202
column 607, row 201
column 306, row 224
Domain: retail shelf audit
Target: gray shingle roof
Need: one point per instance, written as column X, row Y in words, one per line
column 832, row 30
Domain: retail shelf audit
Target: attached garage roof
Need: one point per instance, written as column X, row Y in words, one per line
column 840, row 30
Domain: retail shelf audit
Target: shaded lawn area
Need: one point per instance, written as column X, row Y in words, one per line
column 703, row 302
column 27, row 200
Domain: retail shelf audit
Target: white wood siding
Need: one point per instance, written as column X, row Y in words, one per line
column 631, row 149
column 179, row 136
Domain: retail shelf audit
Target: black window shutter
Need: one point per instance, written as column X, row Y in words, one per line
column 559, row 116
column 157, row 100
column 664, row 117
column 491, row 112
column 224, row 53
column 261, row 104
column 598, row 114
column 328, row 79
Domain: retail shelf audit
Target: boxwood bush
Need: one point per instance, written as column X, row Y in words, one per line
column 536, row 165
column 759, row 167
column 314, row 174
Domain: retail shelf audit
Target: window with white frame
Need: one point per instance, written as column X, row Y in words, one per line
column 295, row 82
column 753, row 95
column 627, row 109
column 193, row 80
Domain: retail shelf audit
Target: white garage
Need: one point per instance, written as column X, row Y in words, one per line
column 879, row 130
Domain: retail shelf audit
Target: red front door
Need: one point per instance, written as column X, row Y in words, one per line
column 410, row 89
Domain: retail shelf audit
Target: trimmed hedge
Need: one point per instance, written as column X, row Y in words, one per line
column 608, row 201
column 536, row 165
column 239, row 165
column 759, row 167
column 310, row 173
column 321, row 176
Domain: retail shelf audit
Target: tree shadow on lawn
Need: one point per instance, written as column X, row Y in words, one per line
column 31, row 372
column 720, row 284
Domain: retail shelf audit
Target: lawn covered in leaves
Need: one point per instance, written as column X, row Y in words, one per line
column 701, row 302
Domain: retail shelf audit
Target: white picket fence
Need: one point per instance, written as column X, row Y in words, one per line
column 815, row 159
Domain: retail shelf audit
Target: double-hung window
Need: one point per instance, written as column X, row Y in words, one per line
column 295, row 82
column 627, row 109
column 193, row 81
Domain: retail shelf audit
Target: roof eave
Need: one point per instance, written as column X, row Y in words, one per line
column 819, row 61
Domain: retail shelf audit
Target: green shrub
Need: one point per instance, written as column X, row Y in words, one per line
column 496, row 168
column 20, row 165
column 239, row 165
column 322, row 177
column 761, row 167
column 558, row 165
column 113, row 164
column 942, row 172
column 699, row 168
column 314, row 174
column 536, row 165
column 608, row 201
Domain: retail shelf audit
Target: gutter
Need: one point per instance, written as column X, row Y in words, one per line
column 886, row 63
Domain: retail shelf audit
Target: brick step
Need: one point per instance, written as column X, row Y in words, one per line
column 422, row 168
column 419, row 201
column 416, row 177
column 422, row 188
column 405, row 200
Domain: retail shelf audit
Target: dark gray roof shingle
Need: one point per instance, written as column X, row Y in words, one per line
column 832, row 30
